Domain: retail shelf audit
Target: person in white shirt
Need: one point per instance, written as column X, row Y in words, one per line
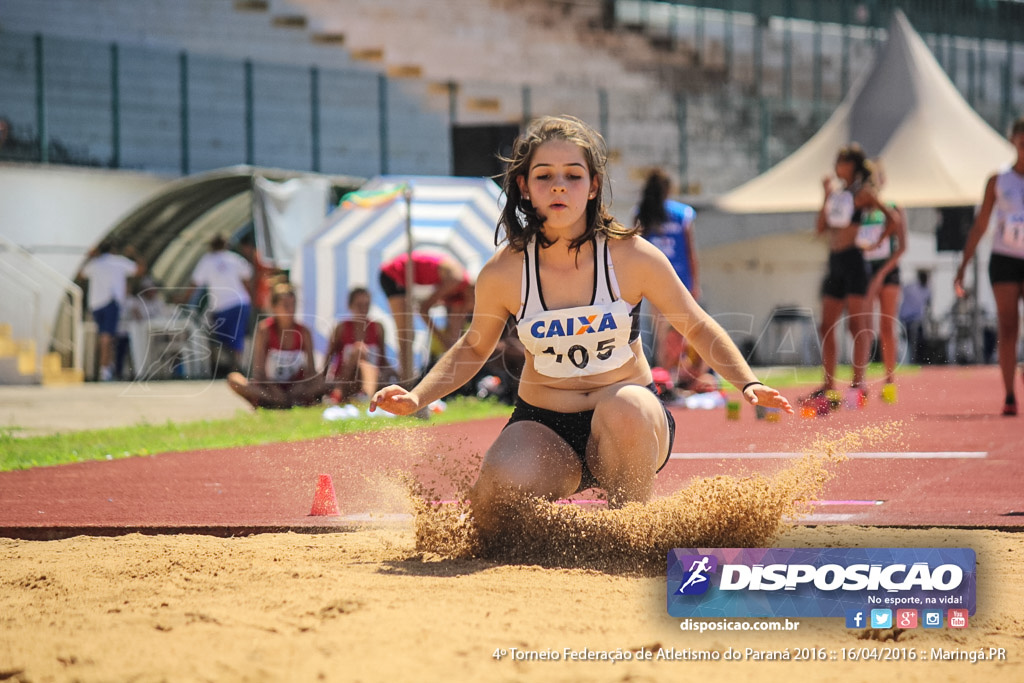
column 226, row 277
column 1003, row 205
column 107, row 274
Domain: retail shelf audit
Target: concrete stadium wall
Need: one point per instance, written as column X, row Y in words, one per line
column 60, row 212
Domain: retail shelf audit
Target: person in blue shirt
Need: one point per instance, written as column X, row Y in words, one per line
column 668, row 225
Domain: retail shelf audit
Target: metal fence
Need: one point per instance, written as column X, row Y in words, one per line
column 125, row 106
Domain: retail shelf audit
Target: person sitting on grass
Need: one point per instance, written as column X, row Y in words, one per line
column 356, row 355
column 283, row 370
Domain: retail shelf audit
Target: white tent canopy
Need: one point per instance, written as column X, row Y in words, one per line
column 935, row 150
column 456, row 216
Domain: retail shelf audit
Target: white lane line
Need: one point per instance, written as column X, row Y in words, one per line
column 875, row 455
column 823, row 519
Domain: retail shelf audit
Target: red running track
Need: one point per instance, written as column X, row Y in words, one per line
column 967, row 469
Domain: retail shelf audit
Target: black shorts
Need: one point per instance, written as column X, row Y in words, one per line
column 390, row 287
column 575, row 429
column 1002, row 268
column 847, row 274
column 893, row 278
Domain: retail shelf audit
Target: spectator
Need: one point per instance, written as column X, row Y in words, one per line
column 283, row 371
column 145, row 305
column 263, row 278
column 1004, row 199
column 883, row 240
column 668, row 225
column 356, row 356
column 917, row 299
column 107, row 274
column 846, row 282
column 452, row 287
column 227, row 278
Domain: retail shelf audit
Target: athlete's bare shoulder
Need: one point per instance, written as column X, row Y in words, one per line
column 505, row 263
column 501, row 278
column 639, row 266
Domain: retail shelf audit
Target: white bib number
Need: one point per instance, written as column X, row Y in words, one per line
column 839, row 209
column 283, row 366
column 578, row 355
column 1013, row 231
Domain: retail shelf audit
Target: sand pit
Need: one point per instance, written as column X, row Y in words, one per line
column 366, row 606
column 426, row 600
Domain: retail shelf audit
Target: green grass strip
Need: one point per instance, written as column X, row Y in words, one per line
column 787, row 377
column 246, row 429
column 297, row 424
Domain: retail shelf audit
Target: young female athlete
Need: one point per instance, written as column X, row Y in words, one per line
column 846, row 283
column 586, row 413
column 1004, row 195
column 884, row 241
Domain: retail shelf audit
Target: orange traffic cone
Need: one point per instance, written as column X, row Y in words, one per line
column 324, row 500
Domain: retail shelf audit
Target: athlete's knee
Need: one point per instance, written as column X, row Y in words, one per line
column 622, row 415
column 237, row 381
column 492, row 501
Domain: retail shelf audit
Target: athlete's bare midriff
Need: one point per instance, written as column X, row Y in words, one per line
column 573, row 394
column 841, row 239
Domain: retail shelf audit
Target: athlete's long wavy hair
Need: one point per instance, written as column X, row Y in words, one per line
column 519, row 221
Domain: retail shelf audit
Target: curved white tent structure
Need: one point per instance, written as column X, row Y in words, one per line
column 935, row 150
column 451, row 215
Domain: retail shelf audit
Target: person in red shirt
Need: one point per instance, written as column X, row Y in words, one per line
column 453, row 287
column 356, row 356
column 283, row 370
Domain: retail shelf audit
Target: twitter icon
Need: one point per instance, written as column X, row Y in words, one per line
column 881, row 618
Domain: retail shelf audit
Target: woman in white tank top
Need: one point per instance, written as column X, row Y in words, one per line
column 572, row 278
column 1004, row 201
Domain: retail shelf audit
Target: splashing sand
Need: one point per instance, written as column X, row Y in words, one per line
column 721, row 511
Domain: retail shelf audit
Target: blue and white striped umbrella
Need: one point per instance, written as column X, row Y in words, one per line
column 450, row 215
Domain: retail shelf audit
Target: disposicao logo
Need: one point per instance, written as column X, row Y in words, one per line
column 696, row 579
column 817, row 582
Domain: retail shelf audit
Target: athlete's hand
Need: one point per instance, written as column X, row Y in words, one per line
column 958, row 284
column 395, row 400
column 765, row 396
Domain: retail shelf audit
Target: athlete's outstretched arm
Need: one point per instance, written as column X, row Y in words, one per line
column 662, row 287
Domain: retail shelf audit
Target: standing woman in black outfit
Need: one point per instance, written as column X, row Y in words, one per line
column 848, row 196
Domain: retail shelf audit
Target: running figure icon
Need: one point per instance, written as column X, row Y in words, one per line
column 698, row 573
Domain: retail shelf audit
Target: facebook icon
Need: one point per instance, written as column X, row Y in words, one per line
column 856, row 618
